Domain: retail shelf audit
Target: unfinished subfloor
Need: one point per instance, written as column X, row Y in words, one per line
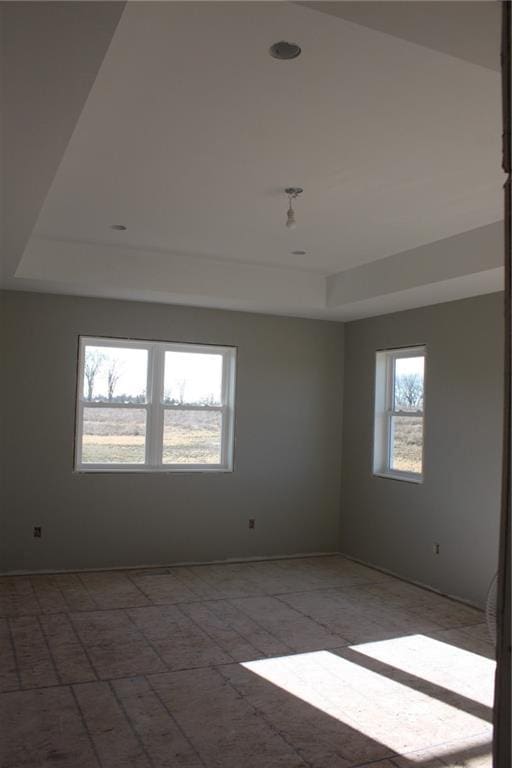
column 316, row 662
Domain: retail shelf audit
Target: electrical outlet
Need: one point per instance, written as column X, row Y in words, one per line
column 252, row 523
column 436, row 548
column 38, row 532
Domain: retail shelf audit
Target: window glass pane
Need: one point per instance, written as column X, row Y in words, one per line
column 192, row 378
column 115, row 374
column 408, row 390
column 406, row 443
column 114, row 436
column 192, row 437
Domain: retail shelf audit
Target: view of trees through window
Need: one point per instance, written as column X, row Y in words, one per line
column 406, row 438
column 192, row 379
column 117, row 376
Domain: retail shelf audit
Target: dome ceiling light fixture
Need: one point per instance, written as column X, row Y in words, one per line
column 118, row 227
column 299, row 253
column 285, row 51
column 293, row 193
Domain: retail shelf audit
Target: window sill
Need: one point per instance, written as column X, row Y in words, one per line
column 402, row 476
column 151, row 470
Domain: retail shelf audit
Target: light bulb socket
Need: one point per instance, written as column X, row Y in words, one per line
column 292, row 193
column 290, row 218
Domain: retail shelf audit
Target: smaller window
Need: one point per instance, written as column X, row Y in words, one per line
column 399, row 413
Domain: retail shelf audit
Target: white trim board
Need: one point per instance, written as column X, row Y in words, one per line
column 182, row 564
column 413, row 581
column 255, row 559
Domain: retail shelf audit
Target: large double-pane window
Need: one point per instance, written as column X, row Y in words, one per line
column 399, row 413
column 154, row 406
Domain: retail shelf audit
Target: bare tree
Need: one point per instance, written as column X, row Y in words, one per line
column 93, row 362
column 181, row 384
column 113, row 373
column 175, row 394
column 409, row 390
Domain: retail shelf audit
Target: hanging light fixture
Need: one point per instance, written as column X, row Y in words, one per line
column 292, row 193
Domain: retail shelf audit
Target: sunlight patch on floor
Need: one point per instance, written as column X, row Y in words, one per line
column 393, row 713
column 458, row 670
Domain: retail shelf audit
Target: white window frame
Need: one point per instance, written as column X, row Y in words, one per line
column 155, row 407
column 385, row 411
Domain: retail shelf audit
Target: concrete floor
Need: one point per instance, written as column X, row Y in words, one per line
column 315, row 662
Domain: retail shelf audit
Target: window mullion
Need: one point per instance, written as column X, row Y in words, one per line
column 390, row 403
column 389, row 440
column 200, row 408
column 156, row 418
column 111, row 405
column 226, row 416
column 79, row 429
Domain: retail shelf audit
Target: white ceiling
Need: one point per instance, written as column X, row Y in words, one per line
column 191, row 131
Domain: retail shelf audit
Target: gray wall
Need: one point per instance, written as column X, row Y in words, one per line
column 394, row 524
column 287, row 450
column 288, row 445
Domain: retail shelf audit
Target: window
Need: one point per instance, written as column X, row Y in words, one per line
column 154, row 406
column 399, row 413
